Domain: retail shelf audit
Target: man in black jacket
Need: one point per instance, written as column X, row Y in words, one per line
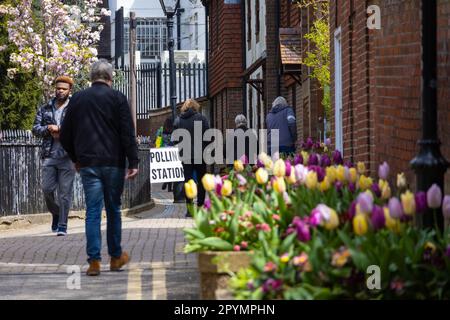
column 98, row 134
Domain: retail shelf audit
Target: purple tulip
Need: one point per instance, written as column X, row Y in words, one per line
column 352, row 210
column 377, row 218
column 352, row 187
column 207, row 204
column 338, row 186
column 376, row 189
column 447, row 252
column 383, row 171
column 316, row 145
column 303, row 233
column 298, row 159
column 337, row 157
column 434, row 197
column 328, row 142
column 446, row 207
column 316, row 218
column 395, row 208
column 219, row 184
column 320, row 172
column 309, row 144
column 244, row 159
column 272, row 285
column 365, row 202
column 288, row 167
column 260, row 164
column 421, row 202
column 325, row 161
column 313, row 160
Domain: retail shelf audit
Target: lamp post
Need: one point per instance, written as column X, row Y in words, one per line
column 429, row 164
column 170, row 8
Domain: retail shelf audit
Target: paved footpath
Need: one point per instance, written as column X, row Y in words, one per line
column 36, row 264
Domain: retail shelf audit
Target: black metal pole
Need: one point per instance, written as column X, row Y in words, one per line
column 430, row 166
column 173, row 97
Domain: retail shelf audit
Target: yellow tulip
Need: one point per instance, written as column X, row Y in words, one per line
column 340, row 173
column 331, row 174
column 386, row 192
column 279, row 185
column 305, row 156
column 353, row 175
column 227, row 188
column 292, row 179
column 365, row 182
column 208, row 182
column 311, row 180
column 261, row 176
column 360, row 225
column 401, row 181
column 238, row 166
column 408, row 202
column 279, row 168
column 325, row 184
column 361, row 167
column 268, row 164
column 333, row 220
column 191, row 189
column 391, row 224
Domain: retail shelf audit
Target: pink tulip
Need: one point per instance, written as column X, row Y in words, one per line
column 434, row 197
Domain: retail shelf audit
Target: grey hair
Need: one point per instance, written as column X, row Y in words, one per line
column 279, row 101
column 240, row 120
column 101, row 70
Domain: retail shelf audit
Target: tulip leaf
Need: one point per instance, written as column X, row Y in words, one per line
column 194, row 233
column 215, row 243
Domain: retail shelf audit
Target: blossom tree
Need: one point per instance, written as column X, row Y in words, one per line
column 57, row 39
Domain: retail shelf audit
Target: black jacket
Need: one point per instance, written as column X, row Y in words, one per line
column 44, row 117
column 98, row 130
column 186, row 121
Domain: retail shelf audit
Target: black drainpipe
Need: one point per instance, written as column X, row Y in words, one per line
column 244, row 60
column 277, row 28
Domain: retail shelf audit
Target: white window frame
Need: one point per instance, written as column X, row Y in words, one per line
column 338, row 109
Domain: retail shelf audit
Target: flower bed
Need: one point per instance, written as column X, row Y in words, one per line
column 320, row 229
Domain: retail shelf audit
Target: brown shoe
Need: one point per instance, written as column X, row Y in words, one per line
column 94, row 268
column 117, row 263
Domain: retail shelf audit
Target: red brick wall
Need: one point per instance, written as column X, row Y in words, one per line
column 225, row 44
column 381, row 82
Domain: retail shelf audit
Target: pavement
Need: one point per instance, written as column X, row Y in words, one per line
column 36, row 264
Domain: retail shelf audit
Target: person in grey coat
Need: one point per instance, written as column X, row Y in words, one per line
column 281, row 117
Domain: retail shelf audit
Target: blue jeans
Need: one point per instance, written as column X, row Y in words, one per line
column 103, row 184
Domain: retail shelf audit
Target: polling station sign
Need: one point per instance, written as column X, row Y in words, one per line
column 165, row 165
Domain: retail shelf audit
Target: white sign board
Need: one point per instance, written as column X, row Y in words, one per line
column 165, row 165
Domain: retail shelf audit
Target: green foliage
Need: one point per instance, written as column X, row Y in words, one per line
column 19, row 98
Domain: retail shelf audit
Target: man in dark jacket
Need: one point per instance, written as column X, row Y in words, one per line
column 193, row 163
column 282, row 117
column 98, row 134
column 58, row 171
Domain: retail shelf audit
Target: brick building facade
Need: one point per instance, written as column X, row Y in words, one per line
column 376, row 82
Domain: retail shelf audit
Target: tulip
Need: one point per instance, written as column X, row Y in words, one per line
column 261, row 176
column 284, row 258
column 259, row 164
column 361, row 167
column 324, row 185
column 305, row 156
column 208, row 182
column 348, row 164
column 352, row 187
column 268, row 164
column 333, row 221
column 244, row 159
column 395, row 208
column 241, row 179
column 279, row 168
column 244, row 244
column 325, row 161
column 360, row 225
column 446, row 207
column 298, row 159
column 331, row 174
column 383, row 171
column 311, row 180
column 340, row 173
column 353, row 175
column 300, row 260
column 292, row 179
column 408, row 203
column 386, row 192
column 421, row 202
column 219, row 183
column 376, row 189
column 288, row 168
column 238, row 166
column 191, row 189
column 303, row 234
column 365, row 201
column 365, row 182
column 309, row 144
column 207, row 204
column 227, row 188
column 377, row 218
column 337, row 157
column 276, row 156
column 236, row 248
column 447, row 252
column 391, row 224
column 401, row 181
column 315, row 218
column 313, row 160
column 270, row 267
column 328, row 142
column 279, row 185
column 434, row 197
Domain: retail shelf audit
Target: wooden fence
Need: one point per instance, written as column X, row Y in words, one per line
column 20, row 180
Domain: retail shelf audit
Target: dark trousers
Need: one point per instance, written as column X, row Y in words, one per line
column 200, row 170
